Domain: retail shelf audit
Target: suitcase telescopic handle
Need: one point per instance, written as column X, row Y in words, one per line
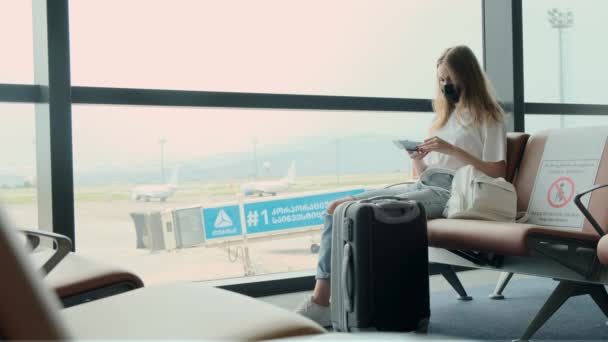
column 390, row 215
column 347, row 277
column 395, row 211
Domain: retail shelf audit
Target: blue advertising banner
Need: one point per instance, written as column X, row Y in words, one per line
column 222, row 222
column 289, row 213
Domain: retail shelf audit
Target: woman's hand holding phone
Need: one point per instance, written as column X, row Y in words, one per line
column 417, row 155
column 436, row 144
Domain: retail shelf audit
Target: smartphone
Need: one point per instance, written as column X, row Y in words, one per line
column 408, row 145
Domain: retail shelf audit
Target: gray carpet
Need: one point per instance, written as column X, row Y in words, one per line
column 483, row 318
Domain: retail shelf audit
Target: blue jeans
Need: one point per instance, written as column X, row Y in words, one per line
column 432, row 190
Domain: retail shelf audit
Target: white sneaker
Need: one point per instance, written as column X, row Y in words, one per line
column 318, row 313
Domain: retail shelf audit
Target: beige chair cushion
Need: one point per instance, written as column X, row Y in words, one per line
column 504, row 238
column 184, row 311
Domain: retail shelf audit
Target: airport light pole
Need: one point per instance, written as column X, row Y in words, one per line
column 338, row 161
column 560, row 20
column 266, row 166
column 162, row 142
column 254, row 141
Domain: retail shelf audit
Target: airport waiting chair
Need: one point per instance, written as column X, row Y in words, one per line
column 516, row 144
column 565, row 255
column 78, row 279
column 74, row 278
column 178, row 311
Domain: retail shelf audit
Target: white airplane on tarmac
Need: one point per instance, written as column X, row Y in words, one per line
column 156, row 191
column 270, row 187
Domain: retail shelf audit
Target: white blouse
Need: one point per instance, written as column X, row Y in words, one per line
column 487, row 142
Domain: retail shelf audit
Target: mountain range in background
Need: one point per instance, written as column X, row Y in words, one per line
column 313, row 156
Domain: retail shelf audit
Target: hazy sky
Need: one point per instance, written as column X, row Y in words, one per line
column 359, row 48
column 584, row 52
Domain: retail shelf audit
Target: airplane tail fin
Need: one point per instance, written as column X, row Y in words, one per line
column 291, row 173
column 173, row 181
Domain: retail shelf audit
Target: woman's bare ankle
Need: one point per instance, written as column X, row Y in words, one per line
column 321, row 292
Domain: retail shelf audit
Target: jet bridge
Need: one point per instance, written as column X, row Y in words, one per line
column 234, row 225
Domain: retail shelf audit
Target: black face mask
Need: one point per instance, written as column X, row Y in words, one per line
column 451, row 93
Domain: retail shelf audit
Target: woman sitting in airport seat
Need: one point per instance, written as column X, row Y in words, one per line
column 468, row 129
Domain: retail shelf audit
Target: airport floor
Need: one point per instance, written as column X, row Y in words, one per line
column 473, row 278
column 499, row 320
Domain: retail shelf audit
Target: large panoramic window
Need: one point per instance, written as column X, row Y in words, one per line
column 18, row 169
column 535, row 123
column 564, row 53
column 172, row 192
column 17, row 57
column 356, row 48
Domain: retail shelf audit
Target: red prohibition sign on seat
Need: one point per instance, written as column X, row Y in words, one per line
column 561, row 195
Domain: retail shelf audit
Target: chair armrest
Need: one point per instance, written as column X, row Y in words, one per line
column 586, row 213
column 32, row 240
column 63, row 243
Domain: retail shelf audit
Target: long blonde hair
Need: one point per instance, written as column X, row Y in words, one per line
column 476, row 92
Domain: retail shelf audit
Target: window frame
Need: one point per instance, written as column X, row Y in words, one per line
column 53, row 89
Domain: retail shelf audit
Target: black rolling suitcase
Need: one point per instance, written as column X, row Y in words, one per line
column 379, row 266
